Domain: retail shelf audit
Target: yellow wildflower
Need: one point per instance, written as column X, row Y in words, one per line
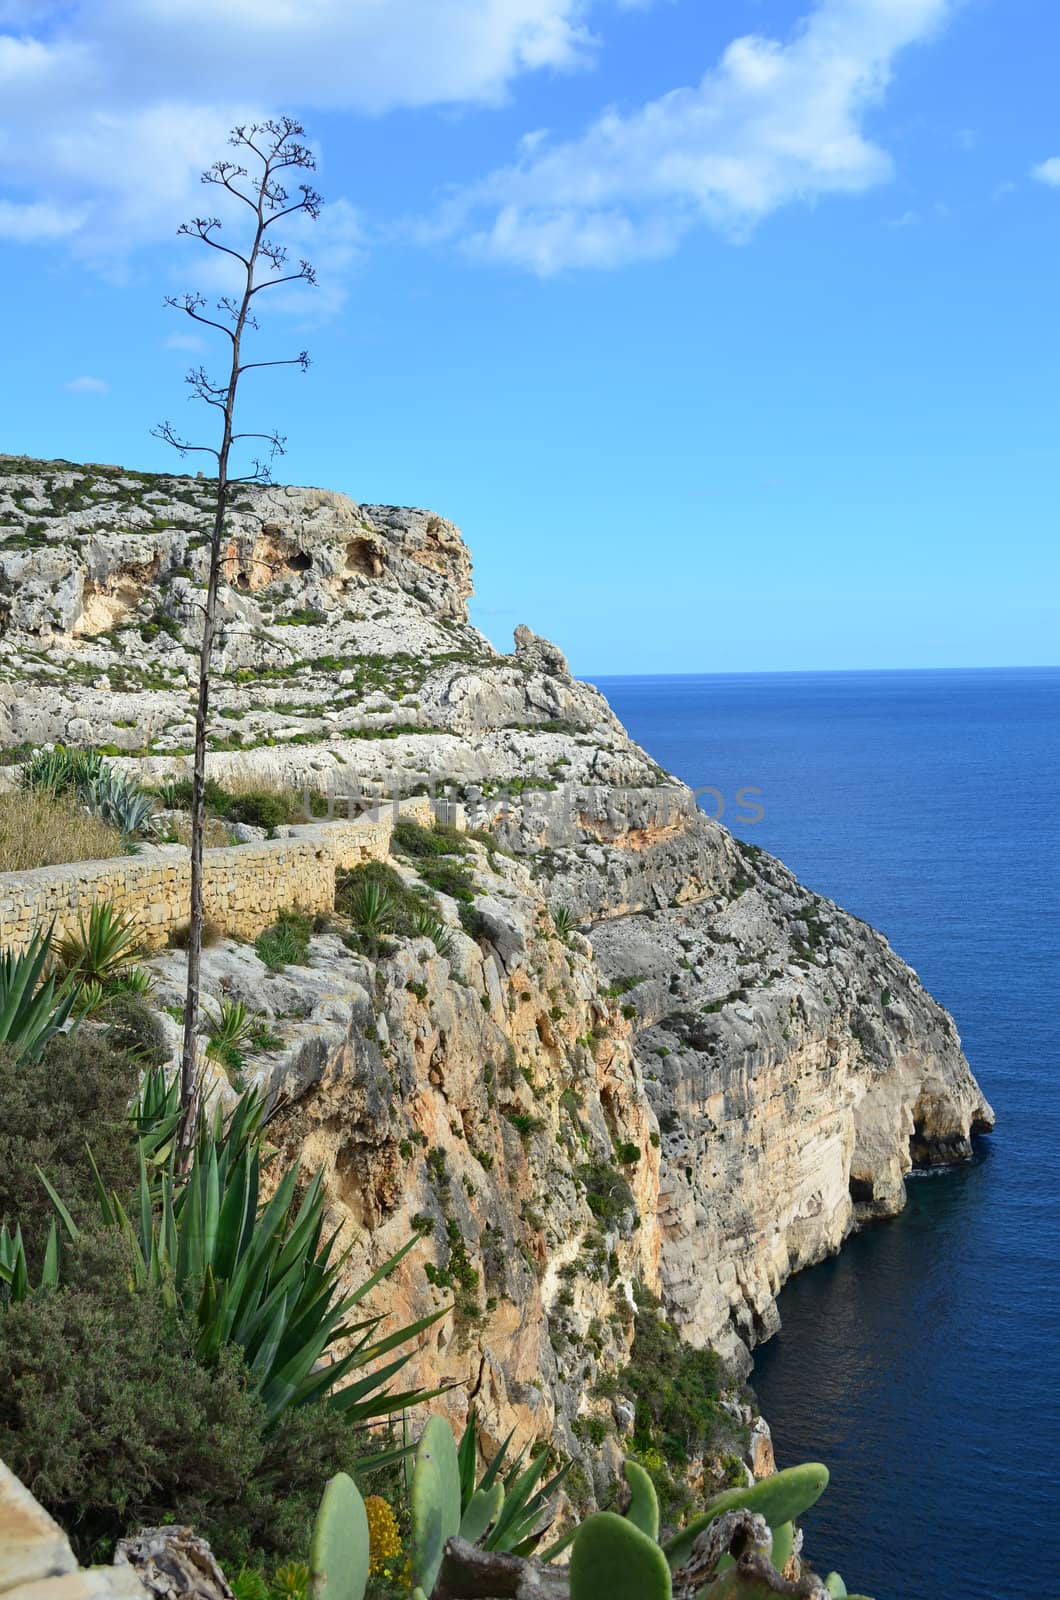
column 384, row 1537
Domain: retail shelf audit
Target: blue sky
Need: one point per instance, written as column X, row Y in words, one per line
column 727, row 330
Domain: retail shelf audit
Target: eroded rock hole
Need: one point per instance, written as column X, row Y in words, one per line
column 362, row 556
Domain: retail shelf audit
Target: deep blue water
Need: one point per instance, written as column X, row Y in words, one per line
column 922, row 1363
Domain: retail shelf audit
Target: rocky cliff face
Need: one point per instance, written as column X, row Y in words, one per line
column 703, row 1090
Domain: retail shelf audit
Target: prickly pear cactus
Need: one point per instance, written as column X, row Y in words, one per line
column 339, row 1555
column 483, row 1509
column 613, row 1560
column 644, row 1503
column 435, row 1501
column 780, row 1499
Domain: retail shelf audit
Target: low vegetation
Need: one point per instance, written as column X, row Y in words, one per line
column 377, row 901
column 247, row 798
column 179, row 1366
column 40, row 829
column 59, row 779
column 286, row 943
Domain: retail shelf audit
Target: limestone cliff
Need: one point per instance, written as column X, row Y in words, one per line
column 704, row 1090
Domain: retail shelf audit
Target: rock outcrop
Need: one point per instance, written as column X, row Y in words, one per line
column 703, row 1090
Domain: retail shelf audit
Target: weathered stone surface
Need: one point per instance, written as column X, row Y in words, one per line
column 37, row 1563
column 172, row 1563
column 33, row 1547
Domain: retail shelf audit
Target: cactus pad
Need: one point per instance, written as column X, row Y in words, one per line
column 644, row 1505
column 435, row 1501
column 613, row 1560
column 339, row 1555
column 781, row 1498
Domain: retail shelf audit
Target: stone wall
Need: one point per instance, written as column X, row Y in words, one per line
column 245, row 885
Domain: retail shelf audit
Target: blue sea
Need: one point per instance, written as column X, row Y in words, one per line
column 922, row 1364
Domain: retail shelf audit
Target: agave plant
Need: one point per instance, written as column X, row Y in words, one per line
column 62, row 771
column 121, row 802
column 564, row 921
column 521, row 1521
column 14, row 1271
column 32, row 1008
column 425, row 926
column 102, row 949
column 372, row 910
column 230, row 1031
column 94, row 998
column 261, row 1277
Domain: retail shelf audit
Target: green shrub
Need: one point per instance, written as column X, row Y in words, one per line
column 262, row 809
column 675, row 1388
column 449, row 877
column 524, row 1124
column 471, row 919
column 286, row 943
column 109, row 1418
column 607, row 1193
column 425, row 844
column 106, row 1415
column 78, row 1092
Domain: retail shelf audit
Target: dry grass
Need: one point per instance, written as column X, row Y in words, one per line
column 218, row 835
column 39, row 830
column 245, row 780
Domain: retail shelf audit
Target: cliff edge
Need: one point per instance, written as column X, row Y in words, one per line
column 649, row 1056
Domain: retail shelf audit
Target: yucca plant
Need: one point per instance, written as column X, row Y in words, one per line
column 102, row 948
column 522, row 1521
column 261, row 1277
column 137, row 981
column 155, row 1117
column 90, row 1000
column 94, row 999
column 32, row 1008
column 564, row 920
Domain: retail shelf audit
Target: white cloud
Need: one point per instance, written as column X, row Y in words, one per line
column 88, row 386
column 184, row 341
column 28, row 222
column 1048, row 172
column 772, row 123
column 109, row 109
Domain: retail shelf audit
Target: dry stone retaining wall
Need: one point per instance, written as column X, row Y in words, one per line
column 244, row 885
